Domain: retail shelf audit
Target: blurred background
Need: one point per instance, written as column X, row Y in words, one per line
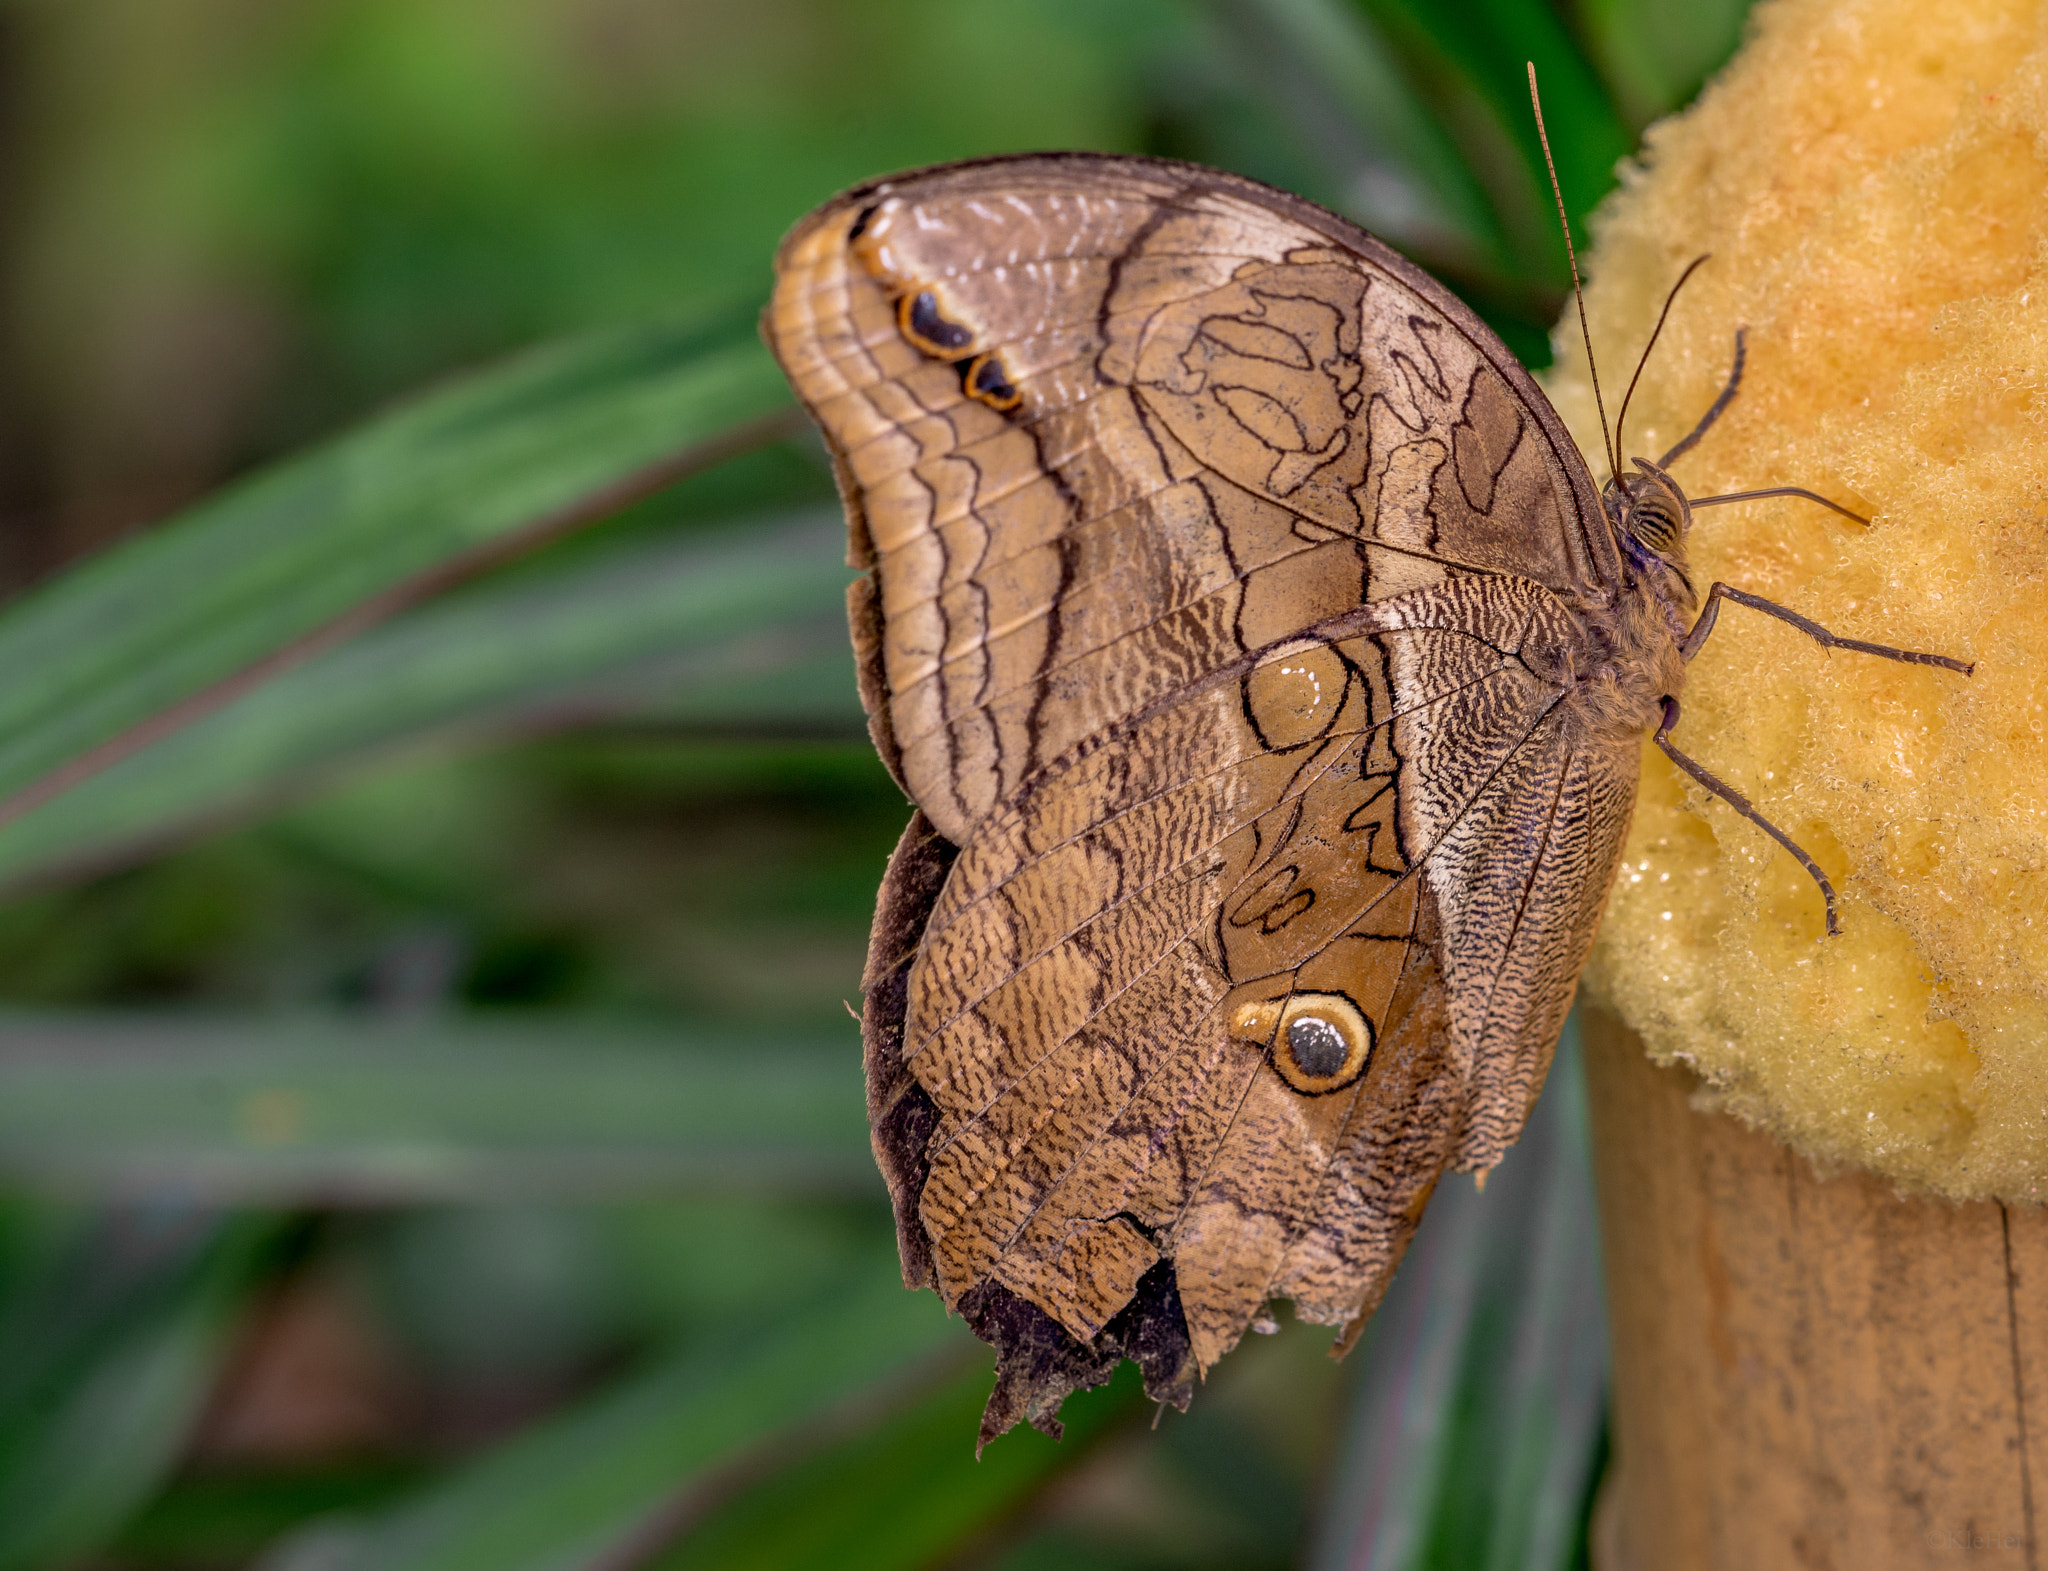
column 437, row 834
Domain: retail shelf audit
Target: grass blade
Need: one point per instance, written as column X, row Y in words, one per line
column 1482, row 1392
column 1470, row 63
column 318, row 1110
column 747, row 626
column 109, row 1350
column 1654, row 55
column 1324, row 66
column 592, row 1486
column 905, row 1493
column 146, row 637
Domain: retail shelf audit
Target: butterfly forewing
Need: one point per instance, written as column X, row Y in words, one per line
column 1214, row 445
column 1226, row 582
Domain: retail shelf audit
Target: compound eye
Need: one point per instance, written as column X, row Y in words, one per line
column 1655, row 523
column 1657, row 515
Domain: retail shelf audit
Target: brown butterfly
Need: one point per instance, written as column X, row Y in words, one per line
column 1270, row 677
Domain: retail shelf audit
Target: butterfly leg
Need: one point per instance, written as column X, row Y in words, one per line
column 1741, row 804
column 1827, row 640
column 1813, row 630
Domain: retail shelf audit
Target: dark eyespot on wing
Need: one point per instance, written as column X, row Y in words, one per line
column 926, row 326
column 1322, row 1042
column 986, row 380
column 1318, row 1047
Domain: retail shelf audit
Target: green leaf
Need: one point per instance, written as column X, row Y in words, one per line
column 1481, row 1391
column 904, row 1493
column 110, row 1347
column 317, row 1109
column 605, row 1480
column 1654, row 55
column 743, row 630
column 1396, row 171
column 320, row 546
column 1419, row 117
column 1471, row 63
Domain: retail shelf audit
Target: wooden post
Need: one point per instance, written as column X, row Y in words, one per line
column 1808, row 1372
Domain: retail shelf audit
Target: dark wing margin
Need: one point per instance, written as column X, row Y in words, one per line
column 901, row 1113
column 1038, row 1362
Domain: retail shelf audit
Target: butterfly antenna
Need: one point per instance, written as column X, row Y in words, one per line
column 1571, row 256
column 1621, row 420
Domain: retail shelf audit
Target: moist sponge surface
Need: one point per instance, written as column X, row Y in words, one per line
column 1871, row 177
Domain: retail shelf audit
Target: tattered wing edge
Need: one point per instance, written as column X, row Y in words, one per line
column 1038, row 1362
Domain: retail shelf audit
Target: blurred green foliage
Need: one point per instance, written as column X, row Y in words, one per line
column 438, row 851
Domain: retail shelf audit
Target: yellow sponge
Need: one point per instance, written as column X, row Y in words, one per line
column 1871, row 177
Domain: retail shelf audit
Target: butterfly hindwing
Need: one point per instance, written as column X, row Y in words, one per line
column 1095, row 1004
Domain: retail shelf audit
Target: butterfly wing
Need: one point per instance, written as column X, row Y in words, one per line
column 1222, row 605
column 1106, row 424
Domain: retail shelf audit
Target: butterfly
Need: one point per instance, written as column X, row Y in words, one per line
column 1269, row 675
